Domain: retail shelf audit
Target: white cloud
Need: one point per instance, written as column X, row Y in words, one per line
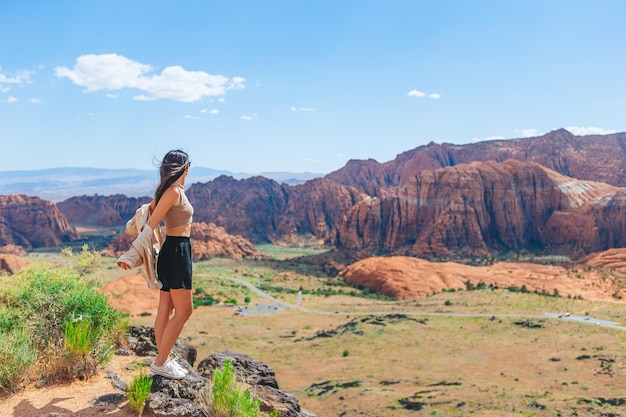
column 20, row 77
column 582, row 131
column 253, row 117
column 188, row 116
column 34, row 101
column 214, row 111
column 527, row 133
column 115, row 72
column 293, row 108
column 221, row 100
column 143, row 97
column 435, row 96
column 11, row 100
column 204, row 111
column 415, row 93
column 494, row 138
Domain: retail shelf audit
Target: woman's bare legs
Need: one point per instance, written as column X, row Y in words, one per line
column 164, row 313
column 166, row 328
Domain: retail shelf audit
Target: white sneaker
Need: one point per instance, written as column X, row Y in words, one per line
column 177, row 365
column 169, row 369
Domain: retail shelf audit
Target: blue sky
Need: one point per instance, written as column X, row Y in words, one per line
column 257, row 86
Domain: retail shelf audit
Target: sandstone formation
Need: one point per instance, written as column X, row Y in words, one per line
column 595, row 157
column 211, row 241
column 610, row 259
column 484, row 209
column 262, row 210
column 100, row 210
column 31, row 222
column 408, row 278
column 13, row 250
column 10, row 264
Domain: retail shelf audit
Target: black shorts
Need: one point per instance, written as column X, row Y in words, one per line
column 174, row 263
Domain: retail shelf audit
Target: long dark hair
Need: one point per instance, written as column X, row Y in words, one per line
column 172, row 168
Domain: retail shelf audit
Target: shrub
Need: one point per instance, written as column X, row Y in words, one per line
column 16, row 355
column 138, row 392
column 88, row 261
column 54, row 325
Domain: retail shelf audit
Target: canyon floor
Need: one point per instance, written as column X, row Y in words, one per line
column 482, row 350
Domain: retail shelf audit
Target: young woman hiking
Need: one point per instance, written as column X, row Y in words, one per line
column 170, row 205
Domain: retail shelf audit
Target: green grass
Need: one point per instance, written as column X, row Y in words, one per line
column 138, row 391
column 225, row 398
column 286, row 252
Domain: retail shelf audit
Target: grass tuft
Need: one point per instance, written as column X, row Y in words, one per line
column 138, row 392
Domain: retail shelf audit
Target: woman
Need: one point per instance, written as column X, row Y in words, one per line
column 170, row 205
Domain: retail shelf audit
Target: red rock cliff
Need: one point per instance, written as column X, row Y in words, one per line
column 31, row 222
column 100, row 210
column 484, row 208
column 263, row 210
column 595, row 157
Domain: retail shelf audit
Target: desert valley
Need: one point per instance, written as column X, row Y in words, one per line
column 483, row 279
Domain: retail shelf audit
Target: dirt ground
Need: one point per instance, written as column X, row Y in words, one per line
column 78, row 399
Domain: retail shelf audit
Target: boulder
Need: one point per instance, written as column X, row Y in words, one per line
column 10, row 264
column 247, row 370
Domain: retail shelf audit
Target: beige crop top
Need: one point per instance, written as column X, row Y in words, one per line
column 180, row 214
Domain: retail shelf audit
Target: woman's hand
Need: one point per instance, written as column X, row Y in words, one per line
column 123, row 265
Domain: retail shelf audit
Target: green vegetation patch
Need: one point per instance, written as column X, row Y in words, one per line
column 54, row 325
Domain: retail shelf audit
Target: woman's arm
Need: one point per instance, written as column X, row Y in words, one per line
column 169, row 198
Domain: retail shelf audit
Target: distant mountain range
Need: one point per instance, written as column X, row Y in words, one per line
column 555, row 194
column 58, row 184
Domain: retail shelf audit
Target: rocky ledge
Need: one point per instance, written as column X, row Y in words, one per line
column 173, row 398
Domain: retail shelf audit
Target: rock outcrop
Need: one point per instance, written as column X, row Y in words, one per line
column 100, row 210
column 408, row 278
column 609, row 259
column 484, row 209
column 31, row 222
column 211, row 241
column 10, row 264
column 169, row 398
